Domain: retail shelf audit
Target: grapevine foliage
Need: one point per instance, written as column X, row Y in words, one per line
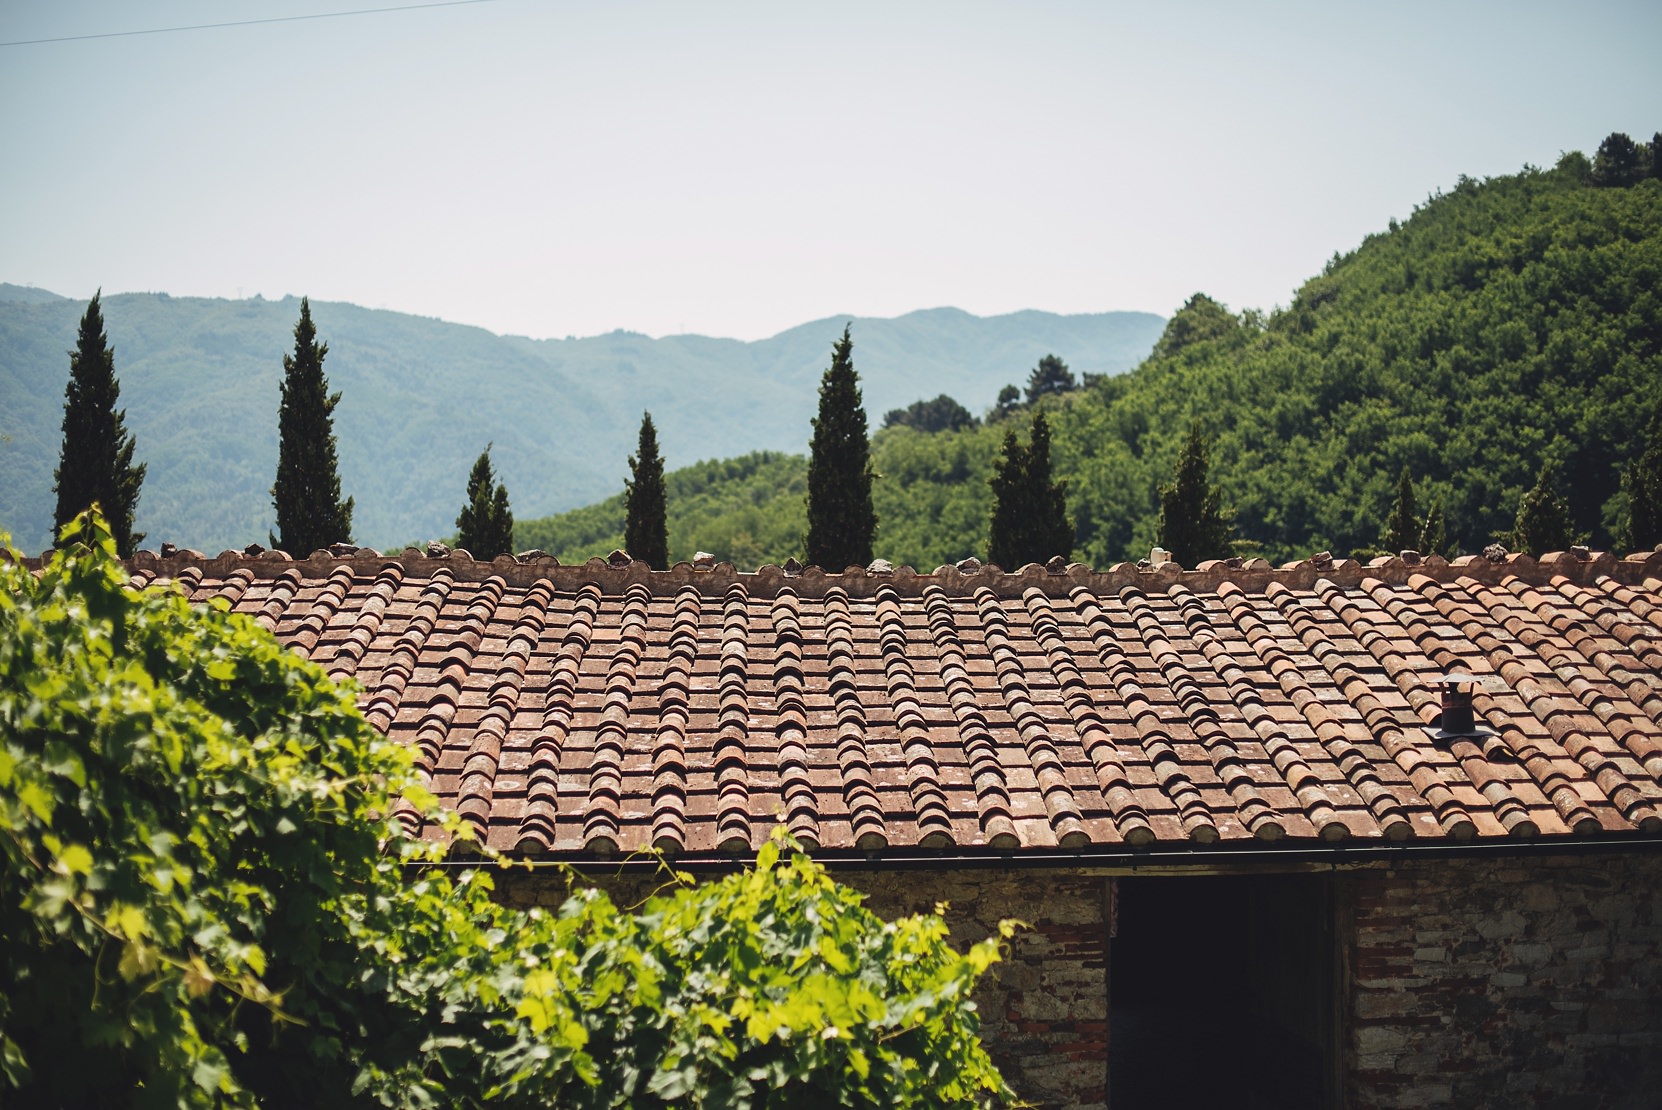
column 208, row 900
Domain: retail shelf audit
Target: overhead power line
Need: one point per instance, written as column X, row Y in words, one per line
column 245, row 22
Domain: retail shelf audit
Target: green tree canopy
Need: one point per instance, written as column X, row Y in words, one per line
column 841, row 520
column 1620, row 162
column 1200, row 319
column 1029, row 519
column 1574, row 166
column 485, row 526
column 1050, row 376
column 209, row 898
column 1009, row 400
column 1193, row 524
column 943, row 414
column 306, row 495
column 1544, row 522
column 646, row 518
column 96, row 464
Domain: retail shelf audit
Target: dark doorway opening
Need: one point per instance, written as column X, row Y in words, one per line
column 1221, row 993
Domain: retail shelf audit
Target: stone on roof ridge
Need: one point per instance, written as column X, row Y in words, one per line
column 616, row 573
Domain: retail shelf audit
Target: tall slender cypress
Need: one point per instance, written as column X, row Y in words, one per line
column 1402, row 528
column 1543, row 522
column 503, row 517
column 1434, row 533
column 96, row 463
column 1643, row 482
column 310, row 512
column 1052, row 531
column 841, row 520
column 1029, row 521
column 485, row 526
column 1193, row 524
column 1009, row 482
column 646, row 527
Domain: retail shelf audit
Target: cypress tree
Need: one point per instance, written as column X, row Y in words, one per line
column 1643, row 483
column 1402, row 528
column 310, row 513
column 1543, row 522
column 96, row 462
column 485, row 527
column 841, row 520
column 1434, row 535
column 646, row 527
column 1009, row 482
column 504, row 518
column 1193, row 525
column 1052, row 530
column 1029, row 521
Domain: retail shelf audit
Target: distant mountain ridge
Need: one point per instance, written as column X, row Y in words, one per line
column 27, row 294
column 421, row 397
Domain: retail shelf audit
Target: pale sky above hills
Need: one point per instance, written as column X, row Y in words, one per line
column 553, row 168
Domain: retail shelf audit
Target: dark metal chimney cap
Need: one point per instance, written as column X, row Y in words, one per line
column 1458, row 719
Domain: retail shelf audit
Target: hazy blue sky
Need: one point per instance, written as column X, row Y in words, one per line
column 550, row 168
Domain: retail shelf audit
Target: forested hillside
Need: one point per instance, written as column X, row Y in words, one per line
column 420, row 398
column 1508, row 323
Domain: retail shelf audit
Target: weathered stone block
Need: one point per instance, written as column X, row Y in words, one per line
column 1507, row 924
column 1531, row 954
column 1425, row 1094
column 1379, row 1004
column 1420, row 1063
column 1375, row 1039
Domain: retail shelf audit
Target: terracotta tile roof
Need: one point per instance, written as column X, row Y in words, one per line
column 605, row 708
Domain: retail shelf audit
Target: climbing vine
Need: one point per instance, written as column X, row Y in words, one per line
column 208, row 900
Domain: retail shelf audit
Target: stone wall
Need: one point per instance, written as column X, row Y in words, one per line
column 1531, row 981
column 1528, row 981
column 1044, row 1010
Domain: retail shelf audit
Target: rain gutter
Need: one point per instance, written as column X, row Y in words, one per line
column 1300, row 856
